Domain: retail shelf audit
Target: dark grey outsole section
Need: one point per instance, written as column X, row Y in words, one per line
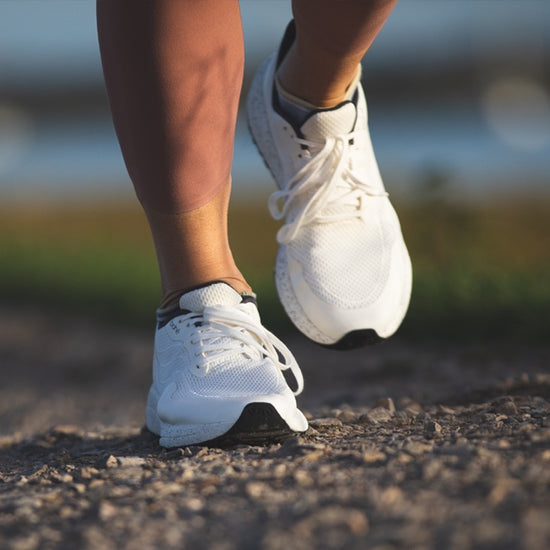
column 259, row 424
column 356, row 339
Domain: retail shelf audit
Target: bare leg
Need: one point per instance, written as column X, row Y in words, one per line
column 193, row 248
column 331, row 39
column 173, row 70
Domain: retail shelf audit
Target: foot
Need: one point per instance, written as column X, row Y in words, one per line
column 342, row 272
column 217, row 374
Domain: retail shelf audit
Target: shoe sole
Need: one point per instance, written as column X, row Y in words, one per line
column 256, row 119
column 356, row 339
column 259, row 424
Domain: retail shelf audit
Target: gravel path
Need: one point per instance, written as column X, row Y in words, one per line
column 411, row 446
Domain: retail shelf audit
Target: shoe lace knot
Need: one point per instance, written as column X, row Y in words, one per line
column 325, row 189
column 220, row 332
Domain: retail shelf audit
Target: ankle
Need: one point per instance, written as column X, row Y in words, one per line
column 318, row 81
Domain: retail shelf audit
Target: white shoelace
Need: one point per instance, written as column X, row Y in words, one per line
column 329, row 176
column 223, row 331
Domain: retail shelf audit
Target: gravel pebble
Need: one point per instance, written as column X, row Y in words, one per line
column 325, row 422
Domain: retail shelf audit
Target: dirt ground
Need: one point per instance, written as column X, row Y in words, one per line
column 412, row 445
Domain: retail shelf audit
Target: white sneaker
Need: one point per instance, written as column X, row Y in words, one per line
column 343, row 272
column 217, row 374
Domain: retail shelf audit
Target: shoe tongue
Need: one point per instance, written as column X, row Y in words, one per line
column 331, row 122
column 215, row 294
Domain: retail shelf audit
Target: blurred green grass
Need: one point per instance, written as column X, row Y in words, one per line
column 480, row 270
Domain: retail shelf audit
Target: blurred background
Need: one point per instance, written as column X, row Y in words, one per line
column 459, row 103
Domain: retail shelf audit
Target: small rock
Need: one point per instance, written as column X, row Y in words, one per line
column 525, row 427
column 183, row 452
column 505, row 405
column 175, row 454
column 402, row 417
column 194, row 504
column 130, row 460
column 66, row 429
column 380, row 414
column 392, row 497
column 501, row 490
column 111, row 462
column 432, row 428
column 404, row 458
column 374, row 456
column 347, row 416
column 280, row 470
column 503, row 444
column 417, row 448
column 432, row 468
column 59, row 477
column 411, row 407
column 201, row 452
column 187, row 475
column 313, row 456
column 41, row 472
column 255, row 489
column 107, row 510
column 107, row 462
column 96, row 483
column 366, row 419
column 326, row 422
column 290, row 446
column 303, row 478
column 80, row 488
column 67, row 512
column 386, row 403
column 358, row 522
column 87, row 472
